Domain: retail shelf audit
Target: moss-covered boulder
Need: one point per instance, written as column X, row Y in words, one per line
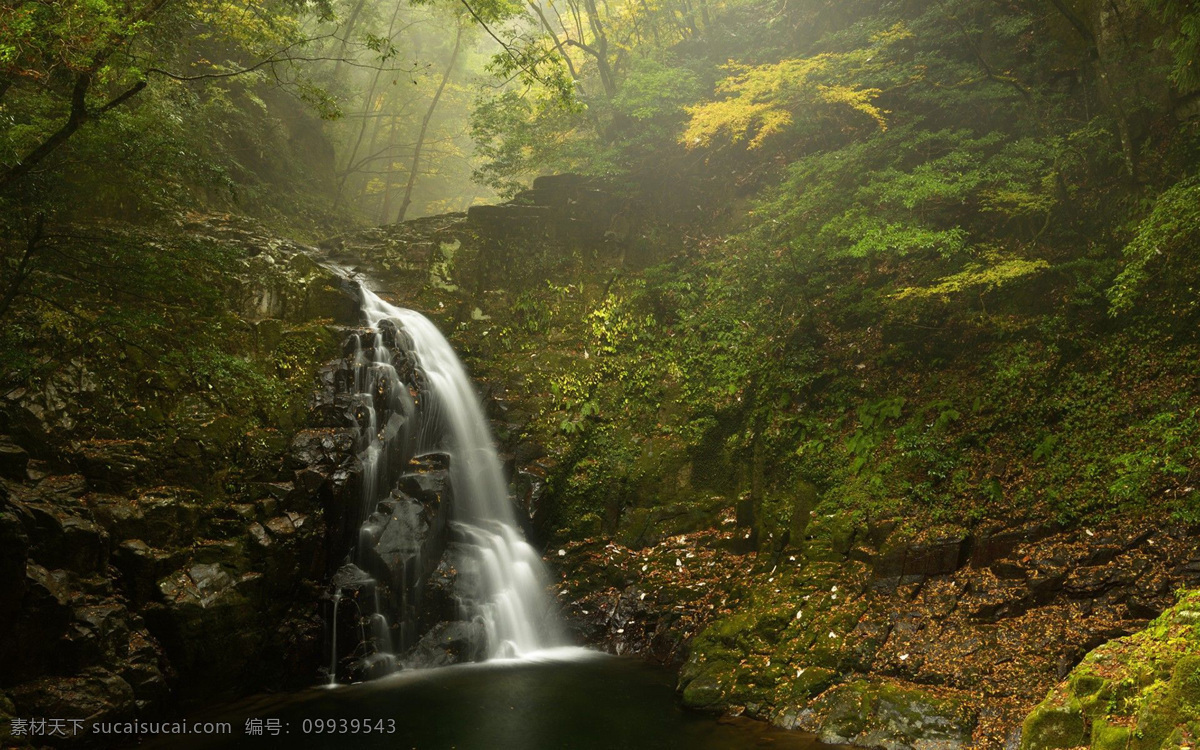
column 894, row 715
column 1054, row 725
column 831, row 536
column 789, row 641
column 1141, row 692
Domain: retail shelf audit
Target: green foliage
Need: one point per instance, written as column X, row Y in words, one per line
column 977, row 277
column 142, row 109
column 1182, row 37
column 903, row 315
column 1171, row 229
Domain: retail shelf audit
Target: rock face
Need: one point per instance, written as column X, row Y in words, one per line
column 562, row 217
column 892, row 716
column 114, row 604
column 137, row 565
column 1006, row 624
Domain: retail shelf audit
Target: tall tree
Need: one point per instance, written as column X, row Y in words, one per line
column 415, row 169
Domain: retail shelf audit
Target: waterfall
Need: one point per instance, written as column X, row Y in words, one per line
column 499, row 579
column 511, row 579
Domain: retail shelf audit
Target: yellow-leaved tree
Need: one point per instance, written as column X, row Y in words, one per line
column 819, row 92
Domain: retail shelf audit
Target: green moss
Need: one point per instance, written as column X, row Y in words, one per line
column 849, row 709
column 895, row 714
column 1137, row 692
column 1105, row 736
column 805, row 683
column 1085, row 684
column 1157, row 718
column 1053, row 725
column 1185, row 686
column 704, row 690
column 830, row 536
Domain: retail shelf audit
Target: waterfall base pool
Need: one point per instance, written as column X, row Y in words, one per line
column 580, row 702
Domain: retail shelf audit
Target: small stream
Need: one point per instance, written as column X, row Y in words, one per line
column 568, row 699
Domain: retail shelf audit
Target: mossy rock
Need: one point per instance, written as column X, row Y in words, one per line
column 888, row 714
column 785, row 515
column 830, row 537
column 268, row 333
column 849, row 709
column 1185, row 686
column 705, row 691
column 808, row 683
column 734, row 631
column 804, row 500
column 644, row 527
column 1053, row 725
column 1086, row 684
column 1157, row 718
column 1137, row 693
column 1106, row 736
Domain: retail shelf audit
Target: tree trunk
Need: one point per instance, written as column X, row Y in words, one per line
column 1107, row 92
column 24, row 268
column 386, row 211
column 437, row 95
column 362, row 131
column 78, row 115
column 337, row 65
column 600, row 43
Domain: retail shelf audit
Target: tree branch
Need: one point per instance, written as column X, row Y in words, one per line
column 24, row 268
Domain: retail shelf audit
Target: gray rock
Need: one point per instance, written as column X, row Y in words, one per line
column 449, row 643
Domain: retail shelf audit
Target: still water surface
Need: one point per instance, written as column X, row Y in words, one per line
column 572, row 700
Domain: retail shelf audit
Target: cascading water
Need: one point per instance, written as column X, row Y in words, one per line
column 413, row 425
column 510, row 580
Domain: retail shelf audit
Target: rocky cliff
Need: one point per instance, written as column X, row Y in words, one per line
column 178, row 553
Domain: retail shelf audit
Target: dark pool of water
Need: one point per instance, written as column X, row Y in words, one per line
column 582, row 703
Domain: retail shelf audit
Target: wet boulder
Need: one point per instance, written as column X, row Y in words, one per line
column 321, row 448
column 63, row 534
column 141, row 667
column 114, row 465
column 439, row 601
column 14, row 550
column 346, row 607
column 206, row 620
column 449, row 643
column 287, row 545
column 137, row 564
column 408, row 540
column 428, row 486
column 332, row 298
column 29, row 641
column 161, row 517
column 342, row 411
column 98, row 634
column 904, row 562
